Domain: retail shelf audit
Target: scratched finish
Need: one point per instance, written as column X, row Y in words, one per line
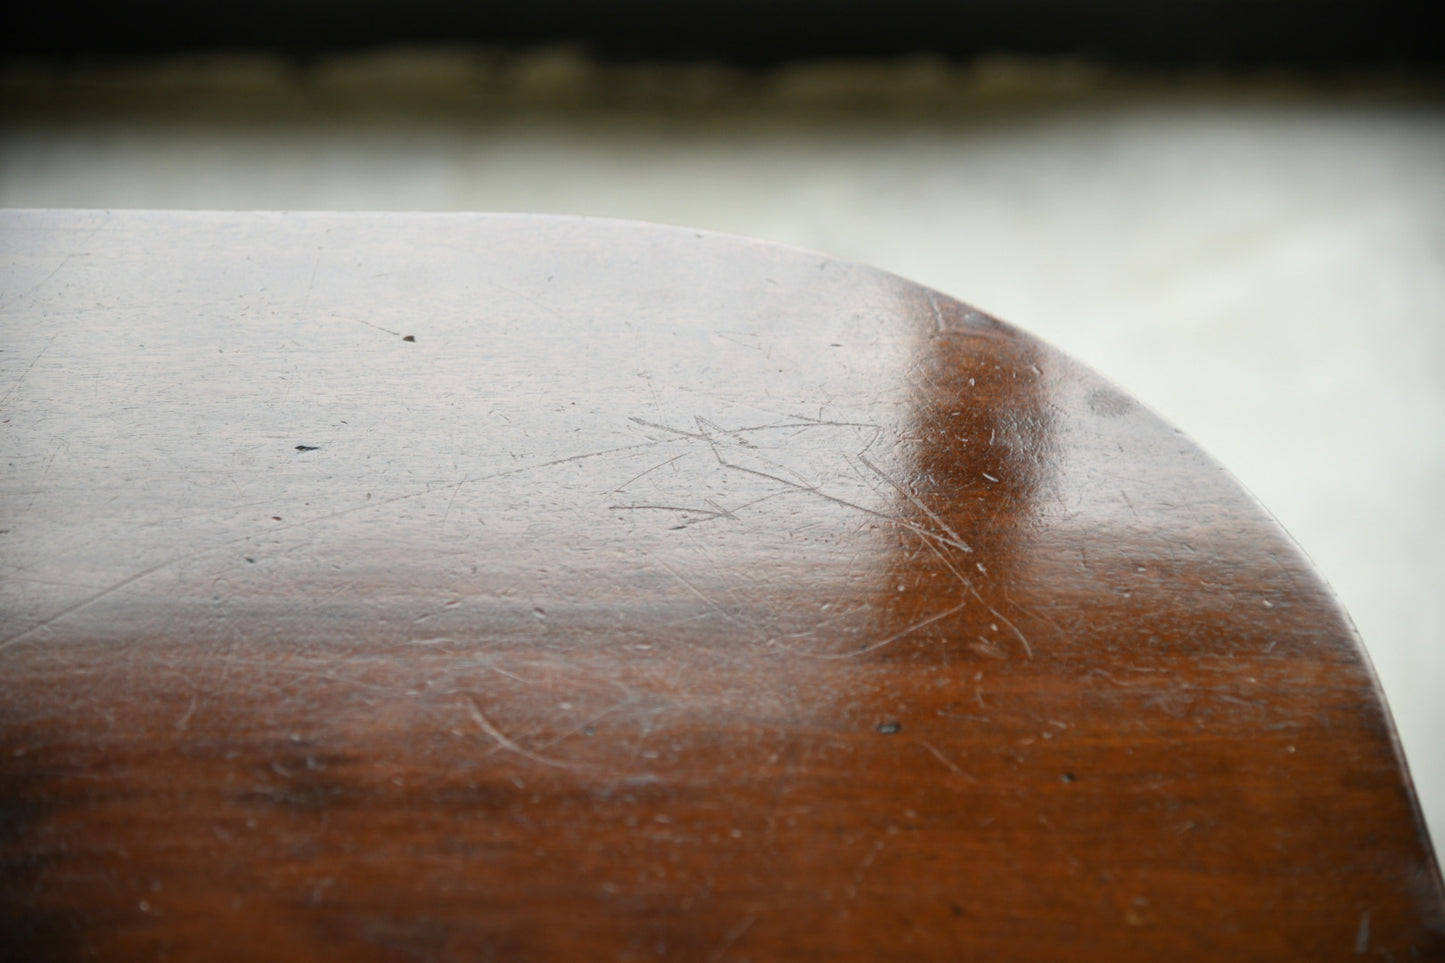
column 464, row 588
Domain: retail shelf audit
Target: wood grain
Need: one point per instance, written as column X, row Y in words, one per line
column 442, row 587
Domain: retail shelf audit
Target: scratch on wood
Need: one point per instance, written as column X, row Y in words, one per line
column 741, row 344
column 589, row 725
column 945, row 760
column 814, row 490
column 511, row 675
column 36, row 360
column 496, row 734
column 447, row 514
column 708, row 428
column 731, row 937
column 718, row 513
column 652, row 424
column 694, row 590
column 799, row 486
column 1033, row 613
column 378, row 327
column 562, row 461
column 863, row 866
column 805, row 424
column 185, row 720
column 649, row 471
column 958, row 541
column 1023, row 640
column 924, row 623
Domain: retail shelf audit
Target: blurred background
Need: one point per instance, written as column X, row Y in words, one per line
column 1234, row 210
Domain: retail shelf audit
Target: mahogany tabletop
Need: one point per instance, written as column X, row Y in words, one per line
column 461, row 587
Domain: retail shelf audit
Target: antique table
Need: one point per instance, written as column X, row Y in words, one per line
column 452, row 587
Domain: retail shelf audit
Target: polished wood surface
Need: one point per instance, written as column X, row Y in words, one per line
column 439, row 587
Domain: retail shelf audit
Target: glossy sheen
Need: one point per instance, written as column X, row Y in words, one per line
column 463, row 588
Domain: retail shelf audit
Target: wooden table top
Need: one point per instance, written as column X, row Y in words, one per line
column 452, row 587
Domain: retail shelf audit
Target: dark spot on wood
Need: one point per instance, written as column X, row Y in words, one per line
column 411, row 338
column 251, row 560
column 1068, row 777
column 307, row 447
